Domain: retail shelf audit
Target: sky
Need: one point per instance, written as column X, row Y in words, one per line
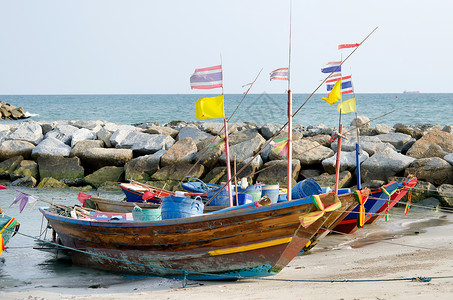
column 152, row 47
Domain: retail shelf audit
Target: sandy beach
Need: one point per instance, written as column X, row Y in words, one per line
column 377, row 262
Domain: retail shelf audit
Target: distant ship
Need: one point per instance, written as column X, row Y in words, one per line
column 411, row 92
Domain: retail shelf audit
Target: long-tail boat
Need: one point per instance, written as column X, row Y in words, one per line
column 256, row 241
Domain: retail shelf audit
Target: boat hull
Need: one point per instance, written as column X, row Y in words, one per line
column 8, row 228
column 240, row 243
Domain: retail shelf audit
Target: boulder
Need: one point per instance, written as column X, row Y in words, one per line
column 144, row 143
column 347, row 161
column 383, row 128
column 314, row 130
column 423, row 190
column 416, row 131
column 208, row 157
column 244, row 150
column 82, row 135
column 385, row 164
column 362, row 122
column 60, row 168
column 244, row 135
column 81, row 146
column 63, row 132
column 96, row 158
column 276, row 171
column 214, row 128
column 104, row 135
column 216, row 175
column 308, row 173
column 436, row 143
column 51, row 146
column 446, row 194
column 429, row 203
column 13, row 148
column 47, row 126
column 269, row 130
column 51, row 183
column 309, row 152
column 322, row 139
column 28, row 181
column 326, row 180
column 26, row 168
column 8, row 166
column 449, row 158
column 267, row 150
column 3, row 134
column 182, row 152
column 194, row 133
column 370, row 144
column 143, row 167
column 163, row 130
column 433, row 169
column 448, row 128
column 178, row 172
column 397, row 139
column 27, row 131
column 249, row 171
column 93, row 126
column 109, row 174
column 117, row 137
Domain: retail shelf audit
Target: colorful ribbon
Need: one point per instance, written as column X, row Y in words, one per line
column 408, row 204
column 281, row 147
column 361, row 216
column 383, row 190
column 219, row 140
column 308, row 219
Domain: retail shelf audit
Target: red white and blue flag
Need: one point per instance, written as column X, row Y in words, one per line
column 346, row 84
column 344, row 46
column 207, row 78
column 279, row 74
column 333, row 66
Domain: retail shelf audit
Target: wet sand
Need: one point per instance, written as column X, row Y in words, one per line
column 377, row 262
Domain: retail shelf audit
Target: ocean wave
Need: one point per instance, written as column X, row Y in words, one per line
column 28, row 114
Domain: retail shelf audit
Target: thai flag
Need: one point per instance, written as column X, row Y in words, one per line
column 345, row 46
column 207, row 78
column 346, row 84
column 279, row 74
column 334, row 66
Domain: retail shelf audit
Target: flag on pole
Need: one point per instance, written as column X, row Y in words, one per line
column 279, row 74
column 207, row 78
column 82, row 197
column 2, row 187
column 347, row 106
column 210, row 108
column 344, row 46
column 333, row 66
column 346, row 84
column 335, row 94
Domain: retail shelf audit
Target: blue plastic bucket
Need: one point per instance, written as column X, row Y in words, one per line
column 305, row 188
column 254, row 190
column 180, row 207
column 221, row 199
column 244, row 199
column 271, row 191
column 343, row 191
column 147, row 214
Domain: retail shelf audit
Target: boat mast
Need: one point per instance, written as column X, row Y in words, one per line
column 290, row 115
column 340, row 131
column 227, row 150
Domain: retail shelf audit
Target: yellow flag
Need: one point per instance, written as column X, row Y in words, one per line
column 210, row 108
column 334, row 94
column 347, row 106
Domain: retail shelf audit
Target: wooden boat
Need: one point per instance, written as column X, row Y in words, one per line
column 402, row 190
column 256, row 241
column 373, row 203
column 8, row 228
column 138, row 192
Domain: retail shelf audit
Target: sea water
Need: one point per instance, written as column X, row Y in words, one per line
column 258, row 108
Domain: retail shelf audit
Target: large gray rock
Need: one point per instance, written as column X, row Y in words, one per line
column 63, row 133
column 326, row 180
column 449, row 158
column 448, row 128
column 269, row 130
column 117, row 137
column 109, row 174
column 96, row 158
column 433, row 169
column 47, row 126
column 347, row 161
column 144, row 143
column 383, row 128
column 8, row 166
column 3, row 134
column 27, row 131
column 143, row 167
column 163, row 130
column 60, row 167
column 243, row 135
column 305, row 151
column 361, row 121
column 208, row 157
column 27, row 181
column 104, row 135
column 397, row 139
column 82, row 134
column 446, row 194
column 417, row 130
column 436, row 143
column 385, row 164
column 183, row 151
column 244, row 150
column 178, row 172
column 51, row 146
column 81, row 146
column 94, row 126
column 13, row 148
column 276, row 172
column 194, row 133
column 251, row 166
column 370, row 144
column 26, row 168
column 267, row 150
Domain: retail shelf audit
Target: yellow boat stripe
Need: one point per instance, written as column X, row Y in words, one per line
column 251, row 247
column 7, row 224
